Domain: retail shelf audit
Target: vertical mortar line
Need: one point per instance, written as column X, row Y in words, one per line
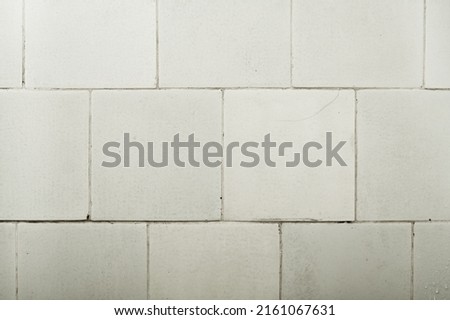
column 17, row 259
column 23, row 43
column 90, row 158
column 280, row 275
column 222, row 168
column 157, row 41
column 424, row 41
column 412, row 261
column 356, row 155
column 290, row 42
column 148, row 260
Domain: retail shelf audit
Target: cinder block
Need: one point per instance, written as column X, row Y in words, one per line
column 214, row 261
column 437, row 63
column 8, row 264
column 149, row 193
column 432, row 261
column 290, row 193
column 90, row 43
column 11, row 43
column 346, row 261
column 82, row 261
column 403, row 155
column 224, row 43
column 44, row 162
column 357, row 43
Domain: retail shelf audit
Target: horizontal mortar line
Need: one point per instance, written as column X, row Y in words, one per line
column 144, row 88
column 359, row 88
column 437, row 89
column 218, row 88
column 292, row 88
column 76, row 89
column 223, row 221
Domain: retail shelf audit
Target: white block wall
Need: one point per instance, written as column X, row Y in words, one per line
column 75, row 74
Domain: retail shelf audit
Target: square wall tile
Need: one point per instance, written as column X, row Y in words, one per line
column 8, row 261
column 437, row 56
column 346, row 261
column 44, row 135
column 301, row 192
column 403, row 155
column 357, row 43
column 224, row 43
column 432, row 261
column 90, row 43
column 11, row 43
column 214, row 261
column 172, row 192
column 82, row 261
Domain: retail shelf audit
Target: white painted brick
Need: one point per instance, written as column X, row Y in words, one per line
column 170, row 193
column 357, row 43
column 82, row 261
column 214, row 261
column 224, row 43
column 242, row 46
column 44, row 165
column 437, row 65
column 11, row 43
column 432, row 261
column 346, row 261
column 90, row 43
column 403, row 155
column 7, row 264
column 300, row 116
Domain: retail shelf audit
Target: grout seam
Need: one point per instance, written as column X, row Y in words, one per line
column 356, row 156
column 157, row 42
column 17, row 259
column 280, row 276
column 424, row 41
column 412, row 261
column 222, row 166
column 290, row 43
column 148, row 260
column 224, row 88
column 23, row 43
column 81, row 221
column 89, row 215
